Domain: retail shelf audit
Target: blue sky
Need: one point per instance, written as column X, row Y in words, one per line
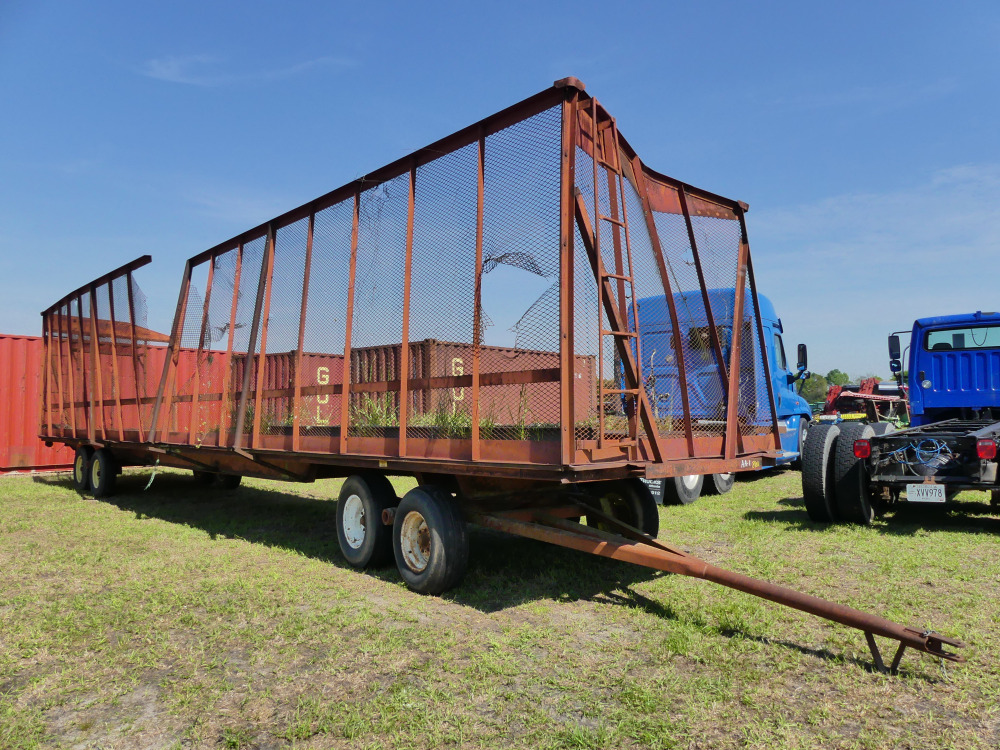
column 863, row 135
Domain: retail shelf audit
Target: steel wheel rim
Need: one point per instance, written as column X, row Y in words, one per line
column 725, row 477
column 78, row 473
column 95, row 474
column 690, row 481
column 415, row 541
column 353, row 523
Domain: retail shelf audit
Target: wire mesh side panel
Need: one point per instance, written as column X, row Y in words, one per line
column 282, row 327
column 127, row 350
column 108, row 414
column 706, row 389
column 325, row 327
column 520, row 281
column 754, row 413
column 378, row 308
column 442, row 294
column 151, row 351
column 242, row 359
column 178, row 424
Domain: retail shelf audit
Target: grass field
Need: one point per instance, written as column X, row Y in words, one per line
column 181, row 617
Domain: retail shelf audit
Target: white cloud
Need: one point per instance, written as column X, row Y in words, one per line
column 209, row 71
column 847, row 270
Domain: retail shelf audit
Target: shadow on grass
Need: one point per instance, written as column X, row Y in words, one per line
column 504, row 571
column 905, row 519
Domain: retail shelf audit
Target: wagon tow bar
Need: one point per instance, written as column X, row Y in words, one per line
column 553, row 525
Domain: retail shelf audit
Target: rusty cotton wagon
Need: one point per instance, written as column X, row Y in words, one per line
column 466, row 315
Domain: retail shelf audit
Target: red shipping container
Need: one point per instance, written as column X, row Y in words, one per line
column 20, row 406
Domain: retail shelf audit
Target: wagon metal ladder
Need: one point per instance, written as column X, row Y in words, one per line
column 615, row 290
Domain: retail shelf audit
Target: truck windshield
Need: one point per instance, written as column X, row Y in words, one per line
column 974, row 337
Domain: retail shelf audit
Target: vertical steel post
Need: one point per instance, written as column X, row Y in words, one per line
column 203, row 333
column 84, row 403
column 567, row 350
column 345, row 391
column 95, row 361
column 116, row 380
column 262, row 357
column 297, row 397
column 61, row 381
column 732, row 402
column 135, row 357
column 477, row 315
column 404, row 353
column 45, row 418
column 745, row 241
column 170, row 362
column 661, row 266
column 251, row 349
column 227, row 375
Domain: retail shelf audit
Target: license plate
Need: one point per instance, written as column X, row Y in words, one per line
column 925, row 493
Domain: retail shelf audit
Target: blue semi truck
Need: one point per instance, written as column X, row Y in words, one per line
column 705, row 390
column 852, row 472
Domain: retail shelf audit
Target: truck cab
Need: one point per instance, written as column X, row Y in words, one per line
column 705, row 389
column 954, row 367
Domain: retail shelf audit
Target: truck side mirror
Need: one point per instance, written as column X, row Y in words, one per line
column 803, row 357
column 894, row 347
column 895, row 366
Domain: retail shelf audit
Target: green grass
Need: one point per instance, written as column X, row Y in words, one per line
column 189, row 617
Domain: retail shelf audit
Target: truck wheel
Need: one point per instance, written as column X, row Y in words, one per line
column 204, row 477
column 103, row 473
column 627, row 500
column 429, row 540
column 718, row 484
column 230, row 481
column 81, row 468
column 804, row 428
column 854, row 500
column 818, row 488
column 682, row 490
column 364, row 540
column 883, row 428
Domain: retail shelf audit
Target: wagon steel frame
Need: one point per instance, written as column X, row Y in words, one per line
column 94, row 394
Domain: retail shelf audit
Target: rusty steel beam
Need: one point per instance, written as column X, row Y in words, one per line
column 744, row 240
column 227, row 370
column 404, row 349
column 567, row 313
column 345, row 398
column 251, row 348
column 643, row 550
column 733, row 391
column 135, row 353
column 264, row 325
column 306, row 273
column 163, row 391
column 203, row 332
column 477, row 304
column 116, row 377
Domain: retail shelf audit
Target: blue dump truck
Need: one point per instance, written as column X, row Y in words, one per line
column 705, row 390
column 852, row 472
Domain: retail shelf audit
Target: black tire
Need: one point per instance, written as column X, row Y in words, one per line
column 883, row 428
column 429, row 540
column 103, row 473
column 804, row 427
column 204, row 477
column 682, row 490
column 818, row 488
column 230, row 481
column 718, row 484
column 854, row 499
column 364, row 540
column 81, row 468
column 627, row 500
